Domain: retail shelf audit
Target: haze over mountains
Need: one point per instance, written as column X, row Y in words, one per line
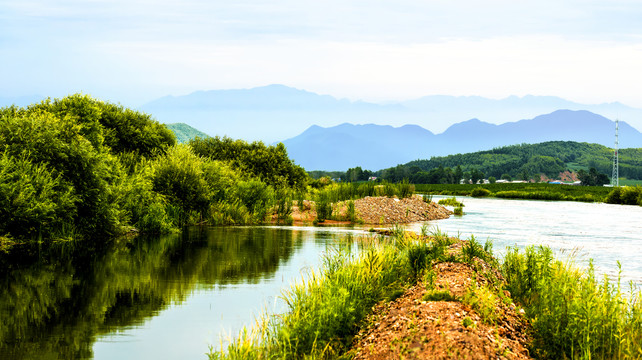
column 325, row 133
column 277, row 112
column 375, row 147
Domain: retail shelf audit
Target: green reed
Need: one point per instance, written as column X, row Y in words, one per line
column 574, row 314
column 326, row 307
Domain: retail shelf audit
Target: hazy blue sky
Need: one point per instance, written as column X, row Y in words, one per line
column 132, row 51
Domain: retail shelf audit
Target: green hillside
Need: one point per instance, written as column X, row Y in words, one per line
column 185, row 133
column 519, row 161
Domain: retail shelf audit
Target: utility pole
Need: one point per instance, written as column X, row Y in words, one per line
column 615, row 176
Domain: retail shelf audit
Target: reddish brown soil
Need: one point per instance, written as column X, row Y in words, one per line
column 410, row 328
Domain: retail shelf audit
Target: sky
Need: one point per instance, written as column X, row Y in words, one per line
column 134, row 51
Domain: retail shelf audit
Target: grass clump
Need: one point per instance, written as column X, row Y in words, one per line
column 468, row 322
column 458, row 210
column 480, row 192
column 326, row 308
column 574, row 315
column 439, row 295
column 451, row 202
column 484, row 301
column 472, row 249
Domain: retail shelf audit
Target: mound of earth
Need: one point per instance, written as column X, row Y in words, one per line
column 378, row 210
column 385, row 210
column 412, row 328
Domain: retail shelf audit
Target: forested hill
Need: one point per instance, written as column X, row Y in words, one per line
column 184, row 133
column 519, row 161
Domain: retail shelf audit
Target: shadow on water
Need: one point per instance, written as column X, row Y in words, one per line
column 56, row 301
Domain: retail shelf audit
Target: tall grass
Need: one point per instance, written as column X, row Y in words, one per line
column 325, row 309
column 574, row 314
column 352, row 191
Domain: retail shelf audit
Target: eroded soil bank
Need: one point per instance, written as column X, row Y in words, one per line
column 464, row 326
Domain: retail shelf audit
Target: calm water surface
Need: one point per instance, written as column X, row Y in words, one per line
column 172, row 297
column 605, row 233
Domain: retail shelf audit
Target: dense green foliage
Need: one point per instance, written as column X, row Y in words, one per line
column 270, row 164
column 521, row 162
column 80, row 168
column 629, row 195
column 575, row 315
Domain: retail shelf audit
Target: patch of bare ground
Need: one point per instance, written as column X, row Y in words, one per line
column 378, row 210
column 411, row 328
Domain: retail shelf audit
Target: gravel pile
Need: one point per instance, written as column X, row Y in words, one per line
column 385, row 210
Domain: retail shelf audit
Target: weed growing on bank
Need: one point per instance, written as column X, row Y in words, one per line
column 325, row 309
column 574, row 314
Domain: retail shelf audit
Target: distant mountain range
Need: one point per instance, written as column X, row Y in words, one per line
column 275, row 112
column 375, row 146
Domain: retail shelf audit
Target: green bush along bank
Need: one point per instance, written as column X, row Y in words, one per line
column 80, row 168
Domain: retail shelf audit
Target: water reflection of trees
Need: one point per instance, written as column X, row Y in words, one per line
column 54, row 305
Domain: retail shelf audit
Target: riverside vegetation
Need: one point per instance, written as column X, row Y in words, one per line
column 79, row 168
column 626, row 195
column 568, row 312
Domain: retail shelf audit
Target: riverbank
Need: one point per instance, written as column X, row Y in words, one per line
column 435, row 297
column 407, row 295
column 528, row 191
column 457, row 312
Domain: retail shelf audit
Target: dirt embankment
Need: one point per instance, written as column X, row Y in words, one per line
column 412, row 328
column 385, row 210
column 378, row 210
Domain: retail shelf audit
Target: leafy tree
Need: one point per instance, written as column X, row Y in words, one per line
column 592, row 177
column 354, row 174
column 270, row 164
column 71, row 150
column 476, row 176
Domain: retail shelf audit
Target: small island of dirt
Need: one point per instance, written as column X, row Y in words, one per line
column 379, row 210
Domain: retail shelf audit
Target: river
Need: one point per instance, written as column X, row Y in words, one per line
column 173, row 297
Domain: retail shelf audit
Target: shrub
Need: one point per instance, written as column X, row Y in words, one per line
column 629, row 195
column 323, row 208
column 350, row 212
column 179, row 175
column 484, row 301
column 479, row 192
column 33, row 200
column 71, row 150
column 256, row 196
column 283, row 207
column 405, row 189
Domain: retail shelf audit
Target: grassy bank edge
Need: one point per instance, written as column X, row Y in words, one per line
column 625, row 195
column 573, row 315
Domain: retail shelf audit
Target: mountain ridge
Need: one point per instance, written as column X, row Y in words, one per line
column 274, row 112
column 376, row 147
